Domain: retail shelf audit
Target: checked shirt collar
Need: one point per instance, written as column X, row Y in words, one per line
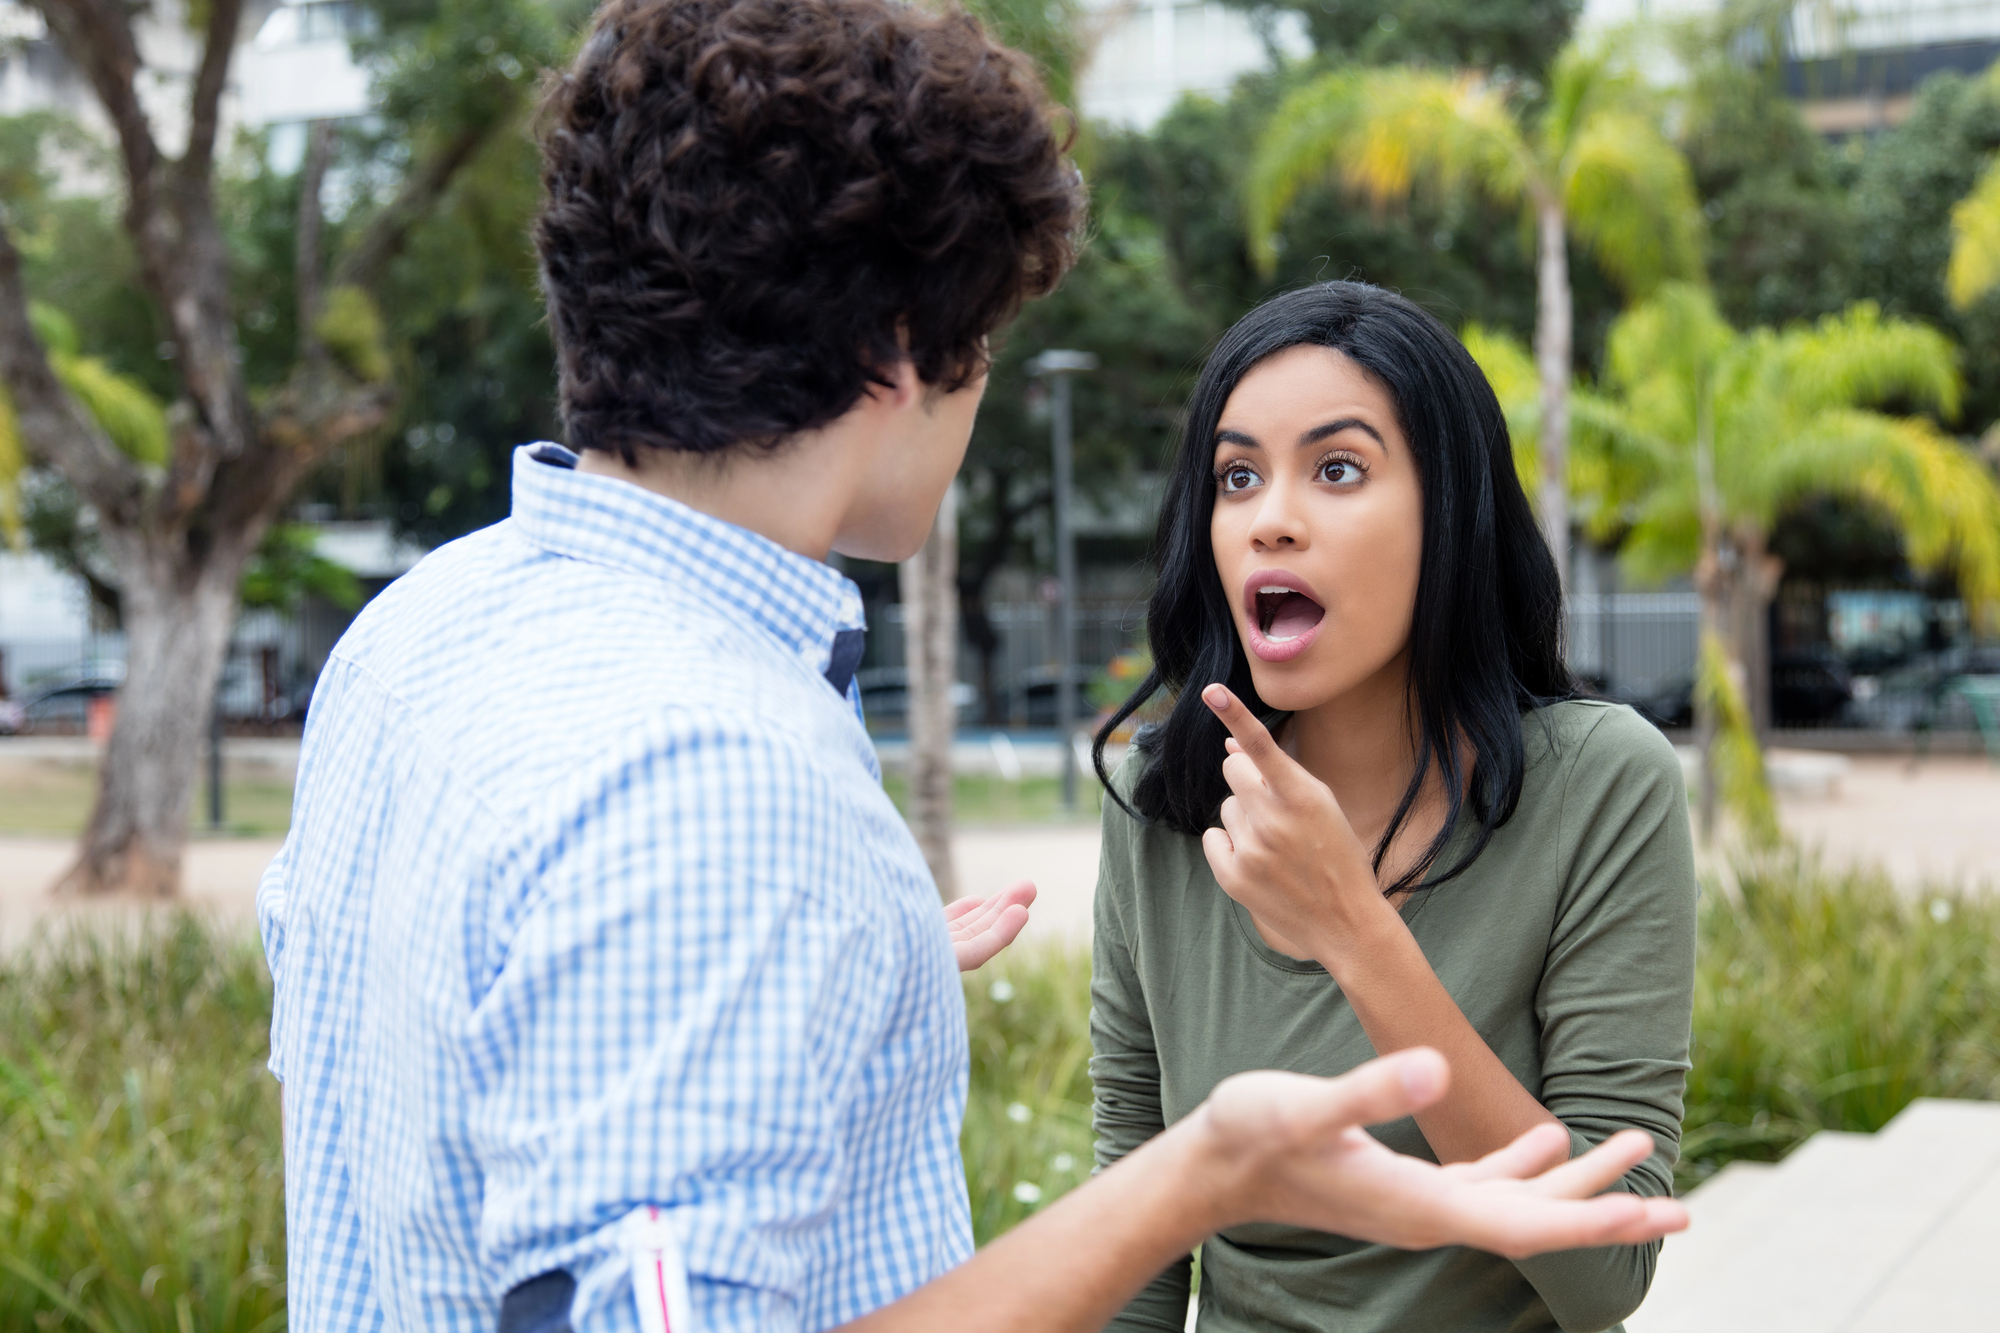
column 814, row 611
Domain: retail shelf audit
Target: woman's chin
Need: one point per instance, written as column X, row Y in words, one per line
column 1291, row 687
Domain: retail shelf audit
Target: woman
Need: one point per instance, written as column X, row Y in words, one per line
column 1380, row 815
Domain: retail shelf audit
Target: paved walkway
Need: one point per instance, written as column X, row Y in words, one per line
column 1938, row 821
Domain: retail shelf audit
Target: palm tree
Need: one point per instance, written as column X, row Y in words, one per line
column 1590, row 163
column 1702, row 435
column 1975, row 241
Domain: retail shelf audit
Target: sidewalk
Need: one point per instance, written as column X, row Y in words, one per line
column 1933, row 823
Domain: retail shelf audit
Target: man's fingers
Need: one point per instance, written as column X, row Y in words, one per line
column 1511, row 1227
column 971, row 914
column 1598, row 1169
column 976, row 949
column 1534, row 1152
column 1384, row 1089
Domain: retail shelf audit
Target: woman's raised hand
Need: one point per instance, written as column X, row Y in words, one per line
column 1285, row 849
column 1290, row 1148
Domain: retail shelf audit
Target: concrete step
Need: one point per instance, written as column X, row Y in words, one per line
column 1830, row 1235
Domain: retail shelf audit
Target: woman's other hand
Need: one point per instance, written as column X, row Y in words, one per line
column 982, row 927
column 1285, row 849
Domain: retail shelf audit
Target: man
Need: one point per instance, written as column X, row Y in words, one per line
column 611, row 991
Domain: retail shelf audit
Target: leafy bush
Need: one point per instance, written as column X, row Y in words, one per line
column 140, row 1164
column 1828, row 1000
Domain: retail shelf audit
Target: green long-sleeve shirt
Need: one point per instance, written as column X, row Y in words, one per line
column 1569, row 946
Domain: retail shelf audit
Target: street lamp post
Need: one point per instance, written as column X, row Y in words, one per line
column 1058, row 366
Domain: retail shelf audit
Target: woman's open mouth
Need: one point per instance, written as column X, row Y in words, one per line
column 1284, row 615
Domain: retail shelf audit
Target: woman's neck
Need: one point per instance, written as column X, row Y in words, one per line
column 1360, row 744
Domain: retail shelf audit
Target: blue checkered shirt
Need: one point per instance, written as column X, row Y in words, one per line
column 593, row 902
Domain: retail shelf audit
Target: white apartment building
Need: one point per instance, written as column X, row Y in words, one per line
column 1144, row 54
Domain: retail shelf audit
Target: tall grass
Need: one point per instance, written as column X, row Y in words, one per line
column 1027, row 1116
column 140, row 1163
column 140, row 1172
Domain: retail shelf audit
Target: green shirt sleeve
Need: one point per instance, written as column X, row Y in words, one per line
column 1616, row 1000
column 1125, row 1066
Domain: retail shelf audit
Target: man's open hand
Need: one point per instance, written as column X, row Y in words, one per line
column 982, row 927
column 1290, row 1148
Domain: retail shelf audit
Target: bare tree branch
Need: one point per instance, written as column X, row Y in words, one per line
column 223, row 18
column 367, row 263
column 54, row 429
column 319, row 153
column 97, row 36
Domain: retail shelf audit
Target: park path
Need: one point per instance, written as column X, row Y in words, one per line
column 1932, row 823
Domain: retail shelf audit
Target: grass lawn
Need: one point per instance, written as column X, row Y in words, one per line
column 38, row 797
column 54, row 799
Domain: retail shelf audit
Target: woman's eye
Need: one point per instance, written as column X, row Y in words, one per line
column 1236, row 478
column 1339, row 472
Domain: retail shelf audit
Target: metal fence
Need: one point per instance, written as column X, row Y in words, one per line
column 1635, row 643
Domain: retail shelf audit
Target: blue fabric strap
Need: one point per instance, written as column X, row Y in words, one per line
column 848, row 645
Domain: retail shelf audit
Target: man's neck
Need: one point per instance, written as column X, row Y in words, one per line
column 781, row 494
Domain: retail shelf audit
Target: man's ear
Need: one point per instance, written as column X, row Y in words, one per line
column 898, row 387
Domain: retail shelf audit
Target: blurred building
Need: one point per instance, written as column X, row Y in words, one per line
column 292, row 66
column 1144, row 54
column 1853, row 65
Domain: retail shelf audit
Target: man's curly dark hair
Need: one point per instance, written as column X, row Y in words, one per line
column 755, row 207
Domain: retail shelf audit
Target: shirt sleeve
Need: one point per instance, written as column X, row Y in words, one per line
column 1616, row 1000
column 271, row 927
column 1124, row 1064
column 672, row 1023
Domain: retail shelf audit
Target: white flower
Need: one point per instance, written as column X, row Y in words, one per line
column 1002, row 991
column 1063, row 1162
column 1027, row 1191
column 1940, row 910
column 1019, row 1113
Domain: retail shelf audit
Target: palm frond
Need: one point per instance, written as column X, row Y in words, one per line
column 1858, row 358
column 13, row 462
column 1382, row 131
column 1974, row 269
column 1630, row 198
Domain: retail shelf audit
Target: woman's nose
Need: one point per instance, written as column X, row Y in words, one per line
column 1278, row 524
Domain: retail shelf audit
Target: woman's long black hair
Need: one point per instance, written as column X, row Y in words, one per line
column 1486, row 639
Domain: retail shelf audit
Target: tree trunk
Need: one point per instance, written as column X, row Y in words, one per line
column 177, row 621
column 930, row 634
column 1553, row 319
column 1756, row 587
column 1710, row 580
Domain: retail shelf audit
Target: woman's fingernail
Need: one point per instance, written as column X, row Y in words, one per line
column 1215, row 697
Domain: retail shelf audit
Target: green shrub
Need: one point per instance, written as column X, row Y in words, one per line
column 1829, row 1000
column 140, row 1159
column 140, row 1164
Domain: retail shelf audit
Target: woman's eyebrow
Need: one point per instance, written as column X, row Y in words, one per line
column 1237, row 438
column 1331, row 428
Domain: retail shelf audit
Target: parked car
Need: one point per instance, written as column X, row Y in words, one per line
column 885, row 692
column 1037, row 695
column 13, row 718
column 64, row 704
column 1809, row 688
